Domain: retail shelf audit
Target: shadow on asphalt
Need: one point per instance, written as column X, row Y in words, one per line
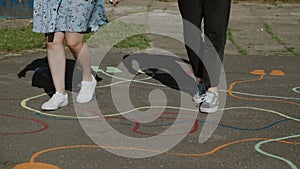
column 168, row 70
column 42, row 75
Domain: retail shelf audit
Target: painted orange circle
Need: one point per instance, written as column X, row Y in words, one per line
column 35, row 166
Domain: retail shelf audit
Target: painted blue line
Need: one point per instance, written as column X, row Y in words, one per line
column 169, row 124
column 255, row 129
column 69, row 119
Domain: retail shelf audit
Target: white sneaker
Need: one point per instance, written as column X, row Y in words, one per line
column 87, row 91
column 210, row 103
column 57, row 100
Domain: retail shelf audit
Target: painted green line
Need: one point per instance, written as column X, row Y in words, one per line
column 24, row 105
column 265, row 110
column 258, row 149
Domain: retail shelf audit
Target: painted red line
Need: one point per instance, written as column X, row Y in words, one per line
column 45, row 125
column 195, row 127
column 137, row 126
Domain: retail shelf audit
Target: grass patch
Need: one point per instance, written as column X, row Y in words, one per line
column 268, row 29
column 14, row 40
column 149, row 8
column 239, row 48
column 140, row 41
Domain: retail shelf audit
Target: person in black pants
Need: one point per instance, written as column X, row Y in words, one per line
column 215, row 16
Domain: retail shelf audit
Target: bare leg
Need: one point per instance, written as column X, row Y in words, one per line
column 81, row 52
column 57, row 59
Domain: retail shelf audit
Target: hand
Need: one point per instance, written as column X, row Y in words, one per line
column 20, row 1
column 114, row 2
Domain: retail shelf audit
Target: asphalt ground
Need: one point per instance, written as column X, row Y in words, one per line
column 259, row 127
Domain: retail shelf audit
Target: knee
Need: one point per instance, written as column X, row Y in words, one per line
column 74, row 45
column 53, row 45
column 54, row 40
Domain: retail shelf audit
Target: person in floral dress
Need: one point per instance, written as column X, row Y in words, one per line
column 67, row 21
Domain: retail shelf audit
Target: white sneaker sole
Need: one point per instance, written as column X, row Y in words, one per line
column 84, row 100
column 51, row 109
column 209, row 110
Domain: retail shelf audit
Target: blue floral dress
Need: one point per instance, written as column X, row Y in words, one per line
column 68, row 15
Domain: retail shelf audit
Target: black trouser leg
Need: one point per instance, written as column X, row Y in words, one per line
column 216, row 15
column 192, row 14
column 216, row 18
